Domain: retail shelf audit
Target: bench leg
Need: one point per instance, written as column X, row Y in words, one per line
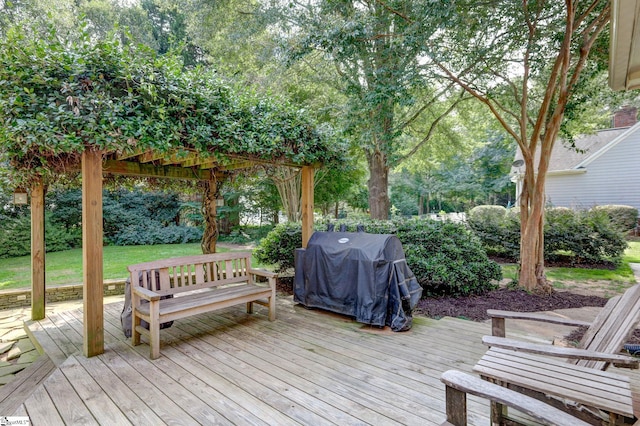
column 154, row 329
column 272, row 300
column 135, row 334
column 249, row 307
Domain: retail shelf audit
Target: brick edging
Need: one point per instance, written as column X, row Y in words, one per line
column 22, row 297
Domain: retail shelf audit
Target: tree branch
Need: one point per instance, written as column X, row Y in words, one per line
column 432, row 128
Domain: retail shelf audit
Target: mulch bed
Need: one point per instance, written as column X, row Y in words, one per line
column 475, row 307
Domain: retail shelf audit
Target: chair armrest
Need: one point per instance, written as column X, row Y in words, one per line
column 562, row 352
column 532, row 316
column 459, row 384
column 146, row 294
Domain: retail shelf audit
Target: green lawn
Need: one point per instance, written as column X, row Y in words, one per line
column 65, row 267
column 622, row 276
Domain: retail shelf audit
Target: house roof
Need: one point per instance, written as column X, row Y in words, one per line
column 589, row 147
column 564, row 157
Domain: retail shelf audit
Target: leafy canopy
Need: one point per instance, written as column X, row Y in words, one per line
column 59, row 97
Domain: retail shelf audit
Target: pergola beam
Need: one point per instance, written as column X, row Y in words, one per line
column 130, row 168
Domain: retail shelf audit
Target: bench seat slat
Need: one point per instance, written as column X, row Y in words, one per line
column 204, row 297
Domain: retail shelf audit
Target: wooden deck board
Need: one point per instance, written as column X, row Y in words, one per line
column 23, row 384
column 228, row 367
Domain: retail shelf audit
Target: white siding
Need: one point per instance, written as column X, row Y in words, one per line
column 612, row 178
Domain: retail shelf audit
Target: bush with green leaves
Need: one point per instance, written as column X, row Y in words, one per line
column 279, row 246
column 624, row 218
column 570, row 237
column 446, row 258
column 487, row 222
column 15, row 239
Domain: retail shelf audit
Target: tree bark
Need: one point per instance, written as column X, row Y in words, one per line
column 209, row 212
column 378, row 185
column 289, row 184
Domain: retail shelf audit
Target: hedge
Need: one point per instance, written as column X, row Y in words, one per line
column 571, row 237
column 446, row 258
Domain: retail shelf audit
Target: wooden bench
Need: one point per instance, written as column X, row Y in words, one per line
column 170, row 289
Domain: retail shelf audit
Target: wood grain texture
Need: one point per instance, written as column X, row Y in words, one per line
column 92, row 255
column 38, row 292
column 466, row 384
column 307, row 203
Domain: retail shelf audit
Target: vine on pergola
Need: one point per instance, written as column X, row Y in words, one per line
column 60, row 97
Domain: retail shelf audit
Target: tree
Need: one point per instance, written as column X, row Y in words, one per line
column 525, row 61
column 376, row 49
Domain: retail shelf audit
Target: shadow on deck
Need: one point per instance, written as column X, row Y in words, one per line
column 227, row 367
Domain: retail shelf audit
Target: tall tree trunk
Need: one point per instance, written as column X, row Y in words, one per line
column 288, row 181
column 378, row 185
column 209, row 212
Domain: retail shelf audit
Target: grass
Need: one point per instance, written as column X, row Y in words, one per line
column 65, row 267
column 621, row 277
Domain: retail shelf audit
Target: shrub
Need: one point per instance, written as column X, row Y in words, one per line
column 153, row 233
column 446, row 258
column 279, row 246
column 623, row 218
column 569, row 236
column 15, row 239
column 488, row 224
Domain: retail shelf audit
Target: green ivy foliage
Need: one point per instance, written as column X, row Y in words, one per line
column 446, row 258
column 59, row 97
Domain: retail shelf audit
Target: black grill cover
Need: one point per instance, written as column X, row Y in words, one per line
column 358, row 274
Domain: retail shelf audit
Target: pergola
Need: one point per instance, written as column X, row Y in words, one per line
column 178, row 164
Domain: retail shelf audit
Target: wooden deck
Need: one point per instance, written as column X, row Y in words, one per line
column 227, row 367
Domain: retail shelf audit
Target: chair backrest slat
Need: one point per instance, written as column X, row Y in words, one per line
column 612, row 327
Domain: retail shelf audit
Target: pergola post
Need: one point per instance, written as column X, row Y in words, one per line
column 37, row 252
column 307, row 204
column 93, row 332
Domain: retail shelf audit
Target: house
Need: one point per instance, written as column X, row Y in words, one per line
column 603, row 170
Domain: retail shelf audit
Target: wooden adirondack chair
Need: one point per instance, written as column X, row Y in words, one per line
column 580, row 386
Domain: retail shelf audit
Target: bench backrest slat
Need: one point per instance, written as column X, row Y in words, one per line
column 176, row 275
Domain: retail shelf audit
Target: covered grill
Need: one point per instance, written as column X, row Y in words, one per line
column 358, row 274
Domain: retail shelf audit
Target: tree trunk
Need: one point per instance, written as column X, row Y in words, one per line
column 532, row 276
column 378, row 185
column 210, row 235
column 289, row 184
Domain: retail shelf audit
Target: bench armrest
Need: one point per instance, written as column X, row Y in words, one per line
column 263, row 273
column 459, row 384
column 146, row 294
column 558, row 351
